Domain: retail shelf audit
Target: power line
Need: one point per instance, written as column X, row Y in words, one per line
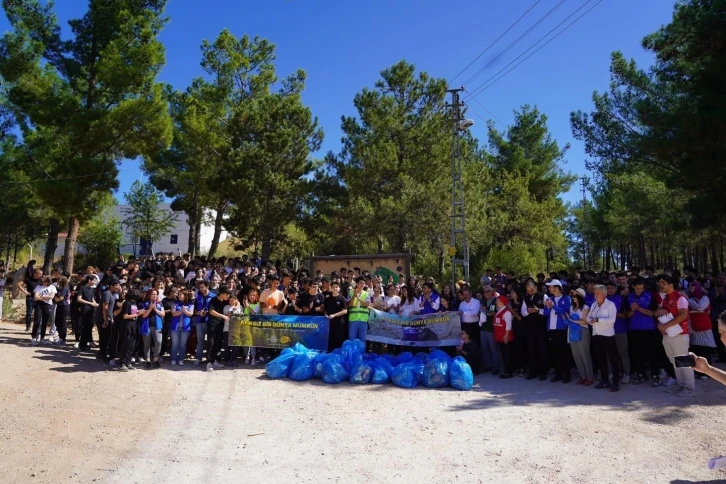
column 490, row 113
column 516, row 41
column 481, row 87
column 497, row 40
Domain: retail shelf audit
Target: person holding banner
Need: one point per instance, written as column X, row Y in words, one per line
column 358, row 311
column 430, row 301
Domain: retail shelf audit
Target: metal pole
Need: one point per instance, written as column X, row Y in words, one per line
column 458, row 217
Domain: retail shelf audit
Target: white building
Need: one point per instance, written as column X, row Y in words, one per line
column 177, row 240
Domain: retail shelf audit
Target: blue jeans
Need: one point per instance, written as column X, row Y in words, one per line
column 358, row 329
column 489, row 351
column 178, row 344
column 201, row 331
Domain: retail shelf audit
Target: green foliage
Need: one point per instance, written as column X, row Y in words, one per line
column 144, row 217
column 656, row 139
column 85, row 103
column 101, row 236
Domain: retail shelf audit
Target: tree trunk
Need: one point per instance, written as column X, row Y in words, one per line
column 442, row 261
column 198, row 233
column 51, row 245
column 8, row 248
column 380, row 244
column 15, row 251
column 715, row 263
column 608, row 250
column 192, row 232
column 69, row 253
column 266, row 247
column 218, row 219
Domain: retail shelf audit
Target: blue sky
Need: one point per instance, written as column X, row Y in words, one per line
column 343, row 46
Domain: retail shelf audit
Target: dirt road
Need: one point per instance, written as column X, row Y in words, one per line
column 66, row 418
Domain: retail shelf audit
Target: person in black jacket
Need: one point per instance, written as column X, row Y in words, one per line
column 536, row 325
column 470, row 352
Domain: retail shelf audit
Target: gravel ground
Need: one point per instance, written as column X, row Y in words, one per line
column 69, row 419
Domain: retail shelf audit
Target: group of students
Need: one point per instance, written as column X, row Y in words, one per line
column 626, row 327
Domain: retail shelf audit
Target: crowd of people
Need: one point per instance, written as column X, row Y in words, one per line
column 623, row 327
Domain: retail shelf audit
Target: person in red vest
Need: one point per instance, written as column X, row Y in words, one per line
column 503, row 334
column 702, row 341
column 673, row 303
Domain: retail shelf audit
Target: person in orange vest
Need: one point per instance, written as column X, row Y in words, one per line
column 675, row 305
column 503, row 334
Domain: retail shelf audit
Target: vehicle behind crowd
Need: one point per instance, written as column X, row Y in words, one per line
column 626, row 328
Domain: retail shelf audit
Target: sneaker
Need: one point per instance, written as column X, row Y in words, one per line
column 133, row 360
column 157, row 364
column 196, row 363
column 148, row 365
column 686, row 392
column 625, row 379
column 217, row 364
column 173, row 363
column 131, row 367
column 60, row 342
column 587, row 382
column 253, row 362
column 181, row 363
column 210, row 367
column 656, row 381
column 112, row 363
column 603, row 384
column 670, row 382
column 77, row 345
column 615, row 387
column 247, row 360
column 123, row 368
column 93, row 345
column 34, row 342
column 44, row 342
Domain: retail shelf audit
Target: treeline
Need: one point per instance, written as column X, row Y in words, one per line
column 656, row 141
column 239, row 141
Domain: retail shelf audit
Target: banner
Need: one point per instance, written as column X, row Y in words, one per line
column 438, row 329
column 267, row 331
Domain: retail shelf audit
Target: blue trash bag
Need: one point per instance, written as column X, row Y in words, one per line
column 404, row 375
column 318, row 363
column 353, row 351
column 361, row 373
column 436, row 373
column 299, row 348
column 337, row 351
column 388, row 357
column 418, row 369
column 380, row 371
column 280, row 366
column 460, row 374
column 422, row 357
column 439, row 355
column 303, row 366
column 333, row 371
column 404, row 357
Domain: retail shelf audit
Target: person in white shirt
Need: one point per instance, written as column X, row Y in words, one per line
column 409, row 303
column 43, row 295
column 392, row 302
column 602, row 317
column 469, row 314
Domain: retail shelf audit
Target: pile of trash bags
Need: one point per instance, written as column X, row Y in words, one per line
column 406, row 370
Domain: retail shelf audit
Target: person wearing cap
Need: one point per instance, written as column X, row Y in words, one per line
column 556, row 308
column 503, row 335
column 601, row 317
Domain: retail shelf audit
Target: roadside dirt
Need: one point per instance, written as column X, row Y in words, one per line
column 67, row 418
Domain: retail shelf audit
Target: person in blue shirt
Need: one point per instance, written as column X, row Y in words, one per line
column 643, row 338
column 557, row 306
column 201, row 311
column 621, row 328
column 181, row 325
column 152, row 324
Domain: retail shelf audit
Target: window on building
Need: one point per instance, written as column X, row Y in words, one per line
column 174, row 239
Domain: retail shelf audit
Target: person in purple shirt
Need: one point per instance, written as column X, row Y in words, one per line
column 642, row 334
column 621, row 328
column 500, row 281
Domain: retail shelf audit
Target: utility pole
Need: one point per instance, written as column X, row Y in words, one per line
column 584, row 185
column 458, row 218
